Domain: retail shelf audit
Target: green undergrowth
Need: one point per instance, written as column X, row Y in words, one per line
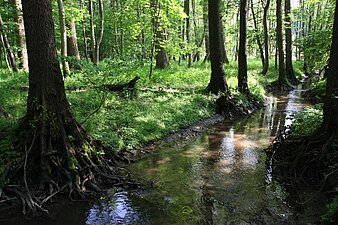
column 174, row 98
column 307, row 122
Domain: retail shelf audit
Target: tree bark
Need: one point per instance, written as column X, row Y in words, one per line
column 58, row 153
column 330, row 123
column 279, row 37
column 162, row 59
column 266, row 38
column 21, row 38
column 242, row 57
column 290, row 74
column 8, row 46
column 63, row 31
column 217, row 79
column 72, row 47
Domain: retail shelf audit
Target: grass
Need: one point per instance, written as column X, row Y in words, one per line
column 173, row 99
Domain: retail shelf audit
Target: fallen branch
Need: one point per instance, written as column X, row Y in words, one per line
column 109, row 87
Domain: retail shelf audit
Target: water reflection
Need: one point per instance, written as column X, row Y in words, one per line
column 218, row 179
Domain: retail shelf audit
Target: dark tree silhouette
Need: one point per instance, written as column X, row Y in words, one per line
column 330, row 122
column 266, row 38
column 279, row 35
column 217, row 80
column 242, row 57
column 290, row 74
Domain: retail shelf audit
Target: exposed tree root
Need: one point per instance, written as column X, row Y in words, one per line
column 79, row 169
column 308, row 160
column 276, row 86
column 229, row 108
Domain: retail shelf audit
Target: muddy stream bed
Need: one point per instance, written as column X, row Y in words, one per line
column 219, row 178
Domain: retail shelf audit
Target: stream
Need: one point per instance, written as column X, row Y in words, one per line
column 219, row 178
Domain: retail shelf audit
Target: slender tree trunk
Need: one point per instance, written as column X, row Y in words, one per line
column 187, row 27
column 97, row 42
column 290, row 74
column 266, row 38
column 72, row 47
column 279, row 36
column 217, row 80
column 63, row 31
column 84, row 33
column 206, row 31
column 8, row 64
column 242, row 57
column 21, row 38
column 259, row 43
column 330, row 123
column 92, row 29
column 8, row 46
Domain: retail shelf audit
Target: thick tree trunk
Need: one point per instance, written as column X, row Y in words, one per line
column 58, row 154
column 266, row 38
column 330, row 123
column 63, row 31
column 290, row 74
column 279, row 36
column 8, row 46
column 224, row 53
column 21, row 38
column 242, row 57
column 217, row 80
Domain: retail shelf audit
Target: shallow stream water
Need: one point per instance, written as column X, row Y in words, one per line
column 220, row 178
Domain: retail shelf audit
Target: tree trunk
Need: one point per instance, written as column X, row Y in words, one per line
column 3, row 52
column 279, row 36
column 260, row 46
column 96, row 54
column 266, row 38
column 217, row 80
column 330, row 123
column 290, row 74
column 206, row 31
column 8, row 46
column 187, row 28
column 72, row 48
column 63, row 31
column 58, row 152
column 162, row 59
column 21, row 38
column 92, row 29
column 224, row 53
column 84, row 35
column 242, row 57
